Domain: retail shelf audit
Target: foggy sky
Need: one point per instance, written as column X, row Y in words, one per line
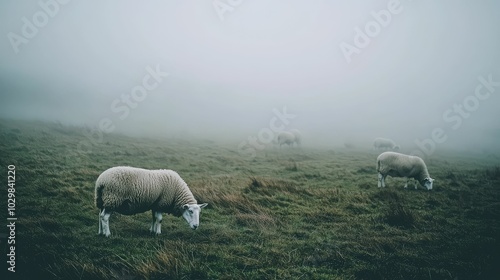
column 225, row 77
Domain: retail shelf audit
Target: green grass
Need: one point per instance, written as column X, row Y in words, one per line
column 286, row 214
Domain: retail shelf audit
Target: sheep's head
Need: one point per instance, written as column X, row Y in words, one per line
column 427, row 183
column 191, row 213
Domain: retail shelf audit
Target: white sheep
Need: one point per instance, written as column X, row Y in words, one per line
column 129, row 190
column 384, row 144
column 298, row 136
column 285, row 137
column 400, row 165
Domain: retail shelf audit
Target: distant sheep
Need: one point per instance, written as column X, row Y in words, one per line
column 289, row 138
column 286, row 138
column 400, row 165
column 384, row 144
column 298, row 136
column 129, row 190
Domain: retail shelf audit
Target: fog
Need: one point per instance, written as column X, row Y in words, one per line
column 227, row 70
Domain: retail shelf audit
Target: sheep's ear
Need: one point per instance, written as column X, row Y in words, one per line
column 185, row 206
column 203, row 205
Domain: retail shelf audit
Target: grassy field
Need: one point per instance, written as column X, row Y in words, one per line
column 285, row 214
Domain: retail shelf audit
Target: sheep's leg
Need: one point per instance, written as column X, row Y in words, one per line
column 153, row 221
column 157, row 228
column 105, row 222
column 406, row 184
column 100, row 223
column 381, row 180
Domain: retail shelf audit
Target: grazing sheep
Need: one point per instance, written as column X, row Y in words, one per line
column 285, row 137
column 400, row 165
column 384, row 144
column 129, row 190
column 298, row 136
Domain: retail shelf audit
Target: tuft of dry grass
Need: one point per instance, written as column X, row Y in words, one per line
column 292, row 166
column 400, row 216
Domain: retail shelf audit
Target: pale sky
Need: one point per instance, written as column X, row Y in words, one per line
column 228, row 69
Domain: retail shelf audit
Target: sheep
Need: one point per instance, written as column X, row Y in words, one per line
column 285, row 137
column 298, row 136
column 288, row 138
column 129, row 190
column 400, row 165
column 384, row 144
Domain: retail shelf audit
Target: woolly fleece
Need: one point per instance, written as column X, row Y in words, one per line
column 401, row 165
column 129, row 190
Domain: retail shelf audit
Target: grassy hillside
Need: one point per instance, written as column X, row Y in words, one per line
column 286, row 214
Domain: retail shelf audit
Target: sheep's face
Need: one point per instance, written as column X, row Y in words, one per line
column 192, row 214
column 428, row 183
